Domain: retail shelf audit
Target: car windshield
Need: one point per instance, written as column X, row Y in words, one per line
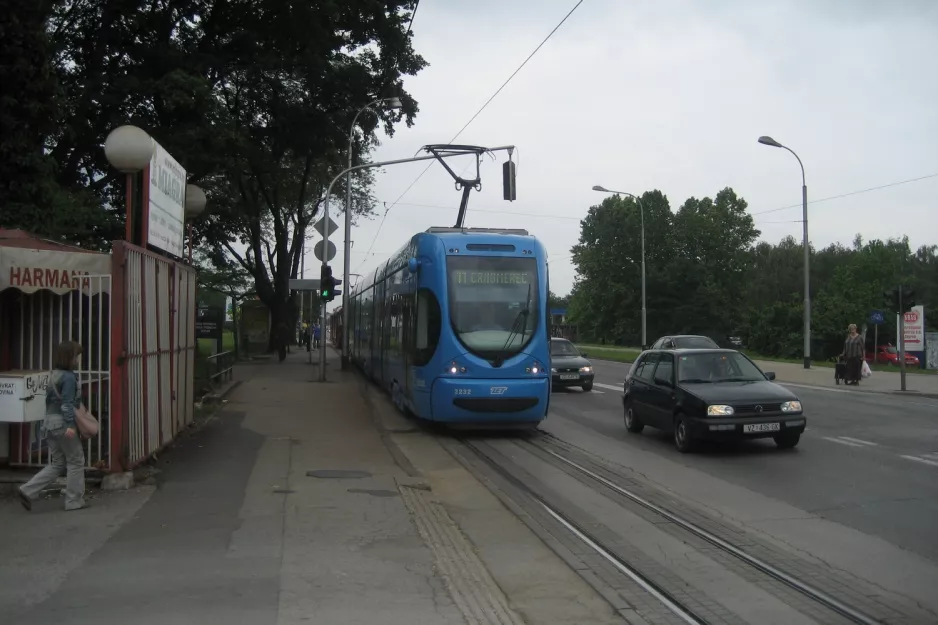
column 563, row 348
column 493, row 303
column 716, row 367
column 691, row 342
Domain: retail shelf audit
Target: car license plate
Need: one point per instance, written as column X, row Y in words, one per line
column 761, row 427
column 569, row 376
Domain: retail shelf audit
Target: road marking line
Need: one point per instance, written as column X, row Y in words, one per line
column 598, row 392
column 842, row 442
column 815, row 388
column 931, row 456
column 608, row 387
column 858, row 440
column 933, row 463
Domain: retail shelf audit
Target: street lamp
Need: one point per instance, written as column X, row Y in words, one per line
column 129, row 149
column 392, row 103
column 195, row 204
column 807, row 250
column 641, row 209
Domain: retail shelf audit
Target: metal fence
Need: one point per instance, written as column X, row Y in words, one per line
column 155, row 329
column 38, row 322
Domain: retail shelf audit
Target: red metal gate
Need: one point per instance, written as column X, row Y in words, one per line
column 154, row 356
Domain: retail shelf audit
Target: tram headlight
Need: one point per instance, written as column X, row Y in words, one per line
column 455, row 368
column 535, row 368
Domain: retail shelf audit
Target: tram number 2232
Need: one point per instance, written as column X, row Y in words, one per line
column 463, row 391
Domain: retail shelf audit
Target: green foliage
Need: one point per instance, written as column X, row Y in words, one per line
column 31, row 197
column 255, row 98
column 706, row 275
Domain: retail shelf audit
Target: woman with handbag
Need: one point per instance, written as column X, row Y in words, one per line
column 63, row 400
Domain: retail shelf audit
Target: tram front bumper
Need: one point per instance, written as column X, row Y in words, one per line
column 516, row 400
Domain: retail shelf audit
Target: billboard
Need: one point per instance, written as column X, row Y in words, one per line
column 914, row 331
column 167, row 202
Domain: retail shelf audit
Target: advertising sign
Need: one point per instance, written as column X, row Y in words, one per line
column 167, row 202
column 32, row 270
column 209, row 322
column 931, row 350
column 914, row 334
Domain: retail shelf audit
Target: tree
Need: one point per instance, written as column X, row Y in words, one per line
column 286, row 115
column 555, row 301
column 706, row 275
column 30, row 196
column 606, row 300
column 253, row 97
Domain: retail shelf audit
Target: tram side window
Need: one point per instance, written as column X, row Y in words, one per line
column 427, row 330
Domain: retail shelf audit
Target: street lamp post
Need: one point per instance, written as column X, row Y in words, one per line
column 129, row 149
column 641, row 209
column 195, row 204
column 764, row 140
column 392, row 103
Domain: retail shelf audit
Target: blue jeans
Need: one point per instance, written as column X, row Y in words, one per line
column 68, row 456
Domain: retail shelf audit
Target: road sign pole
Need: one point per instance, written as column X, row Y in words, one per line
column 901, row 338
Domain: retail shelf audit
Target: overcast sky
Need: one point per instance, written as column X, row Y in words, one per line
column 672, row 95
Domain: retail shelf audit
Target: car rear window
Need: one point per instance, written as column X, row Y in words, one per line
column 691, row 342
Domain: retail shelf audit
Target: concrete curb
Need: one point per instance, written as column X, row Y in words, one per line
column 920, row 394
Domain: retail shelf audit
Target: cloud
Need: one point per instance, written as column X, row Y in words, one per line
column 673, row 95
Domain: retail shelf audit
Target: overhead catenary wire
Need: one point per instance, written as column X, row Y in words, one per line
column 473, row 118
column 843, row 195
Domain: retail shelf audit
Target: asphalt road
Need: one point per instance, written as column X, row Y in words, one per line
column 869, row 462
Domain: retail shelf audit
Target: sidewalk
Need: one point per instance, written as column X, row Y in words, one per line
column 276, row 512
column 879, row 382
column 291, row 506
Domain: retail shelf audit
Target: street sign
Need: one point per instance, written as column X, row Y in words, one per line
column 309, row 284
column 877, row 318
column 318, row 250
column 209, row 322
column 321, row 224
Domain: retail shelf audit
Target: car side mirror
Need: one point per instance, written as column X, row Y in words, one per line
column 584, row 354
column 662, row 382
column 769, row 375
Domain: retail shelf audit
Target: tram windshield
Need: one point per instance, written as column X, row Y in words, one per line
column 493, row 303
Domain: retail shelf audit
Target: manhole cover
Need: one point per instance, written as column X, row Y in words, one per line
column 324, row 474
column 374, row 493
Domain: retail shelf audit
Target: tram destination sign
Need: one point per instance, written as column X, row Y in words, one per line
column 491, row 278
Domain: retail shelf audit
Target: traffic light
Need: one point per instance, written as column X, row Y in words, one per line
column 335, row 291
column 891, row 298
column 326, row 284
column 899, row 300
column 509, row 188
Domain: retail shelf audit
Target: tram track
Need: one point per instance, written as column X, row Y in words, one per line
column 683, row 607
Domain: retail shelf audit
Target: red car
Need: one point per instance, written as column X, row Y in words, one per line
column 889, row 355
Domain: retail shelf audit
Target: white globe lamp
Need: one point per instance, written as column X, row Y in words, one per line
column 128, row 148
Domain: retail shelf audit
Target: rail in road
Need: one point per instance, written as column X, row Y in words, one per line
column 705, row 572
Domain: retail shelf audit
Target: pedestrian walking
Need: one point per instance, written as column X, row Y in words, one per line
column 61, row 431
column 854, row 348
column 316, row 335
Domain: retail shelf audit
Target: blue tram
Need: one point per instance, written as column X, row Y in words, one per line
column 455, row 326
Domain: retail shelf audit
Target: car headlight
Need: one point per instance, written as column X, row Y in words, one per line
column 720, row 411
column 791, row 406
column 553, row 370
column 586, row 369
